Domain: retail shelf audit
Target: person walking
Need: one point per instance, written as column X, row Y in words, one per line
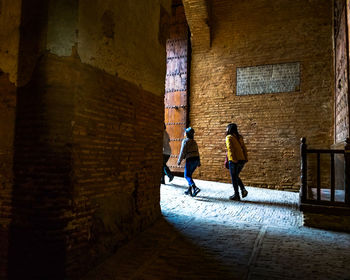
column 237, row 156
column 189, row 151
column 166, row 156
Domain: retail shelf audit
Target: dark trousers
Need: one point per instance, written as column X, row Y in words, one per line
column 236, row 168
column 166, row 170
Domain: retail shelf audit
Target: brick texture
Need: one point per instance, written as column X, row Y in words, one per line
column 258, row 33
column 87, row 166
column 7, row 123
column 117, row 159
column 85, row 144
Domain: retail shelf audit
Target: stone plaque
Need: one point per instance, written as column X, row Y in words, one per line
column 268, row 78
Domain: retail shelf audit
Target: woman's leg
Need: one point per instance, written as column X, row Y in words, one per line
column 190, row 167
column 233, row 167
column 240, row 183
column 188, row 176
column 239, row 169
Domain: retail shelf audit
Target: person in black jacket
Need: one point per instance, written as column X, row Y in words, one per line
column 166, row 156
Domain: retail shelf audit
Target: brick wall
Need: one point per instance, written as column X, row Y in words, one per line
column 256, row 33
column 9, row 40
column 7, row 123
column 87, row 166
column 117, row 140
column 87, row 148
column 42, row 193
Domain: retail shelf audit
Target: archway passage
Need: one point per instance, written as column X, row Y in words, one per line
column 177, row 79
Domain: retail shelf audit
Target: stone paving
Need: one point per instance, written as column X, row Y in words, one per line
column 211, row 237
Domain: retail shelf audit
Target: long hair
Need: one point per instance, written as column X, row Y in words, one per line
column 232, row 130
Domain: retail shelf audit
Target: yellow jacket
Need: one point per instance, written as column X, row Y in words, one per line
column 236, row 150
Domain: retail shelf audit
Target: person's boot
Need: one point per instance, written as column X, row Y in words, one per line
column 235, row 197
column 244, row 192
column 189, row 191
column 171, row 177
column 195, row 190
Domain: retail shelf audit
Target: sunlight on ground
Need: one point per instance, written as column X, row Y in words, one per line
column 261, row 206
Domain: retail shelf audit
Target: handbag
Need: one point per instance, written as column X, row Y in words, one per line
column 226, row 162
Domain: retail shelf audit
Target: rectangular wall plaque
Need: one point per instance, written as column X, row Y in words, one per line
column 268, row 78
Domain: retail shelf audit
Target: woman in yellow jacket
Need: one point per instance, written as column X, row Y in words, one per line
column 237, row 156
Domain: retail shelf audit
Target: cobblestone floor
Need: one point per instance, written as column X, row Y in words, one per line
column 211, row 237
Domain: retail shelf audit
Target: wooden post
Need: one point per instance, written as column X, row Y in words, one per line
column 303, row 168
column 347, row 171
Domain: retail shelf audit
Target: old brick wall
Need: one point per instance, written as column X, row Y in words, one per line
column 88, row 137
column 117, row 125
column 41, row 197
column 7, row 123
column 258, row 32
column 9, row 40
column 116, row 161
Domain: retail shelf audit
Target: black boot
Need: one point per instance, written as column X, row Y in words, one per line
column 195, row 190
column 235, row 197
column 189, row 191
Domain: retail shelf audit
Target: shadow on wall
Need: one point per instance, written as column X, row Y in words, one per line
column 41, row 164
column 40, row 192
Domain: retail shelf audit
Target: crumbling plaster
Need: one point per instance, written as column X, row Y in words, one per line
column 10, row 16
column 115, row 36
column 128, row 50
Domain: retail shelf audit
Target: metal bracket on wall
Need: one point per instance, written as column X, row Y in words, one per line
column 176, row 166
column 175, row 123
column 175, row 106
column 176, row 74
column 175, row 90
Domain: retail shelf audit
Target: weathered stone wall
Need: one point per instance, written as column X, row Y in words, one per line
column 341, row 72
column 260, row 32
column 88, row 138
column 10, row 18
column 124, row 46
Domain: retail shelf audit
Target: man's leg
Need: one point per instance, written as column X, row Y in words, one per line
column 165, row 159
column 166, row 169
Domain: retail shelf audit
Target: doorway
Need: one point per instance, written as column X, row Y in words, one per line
column 177, row 82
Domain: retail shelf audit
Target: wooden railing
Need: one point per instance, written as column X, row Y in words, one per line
column 304, row 198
